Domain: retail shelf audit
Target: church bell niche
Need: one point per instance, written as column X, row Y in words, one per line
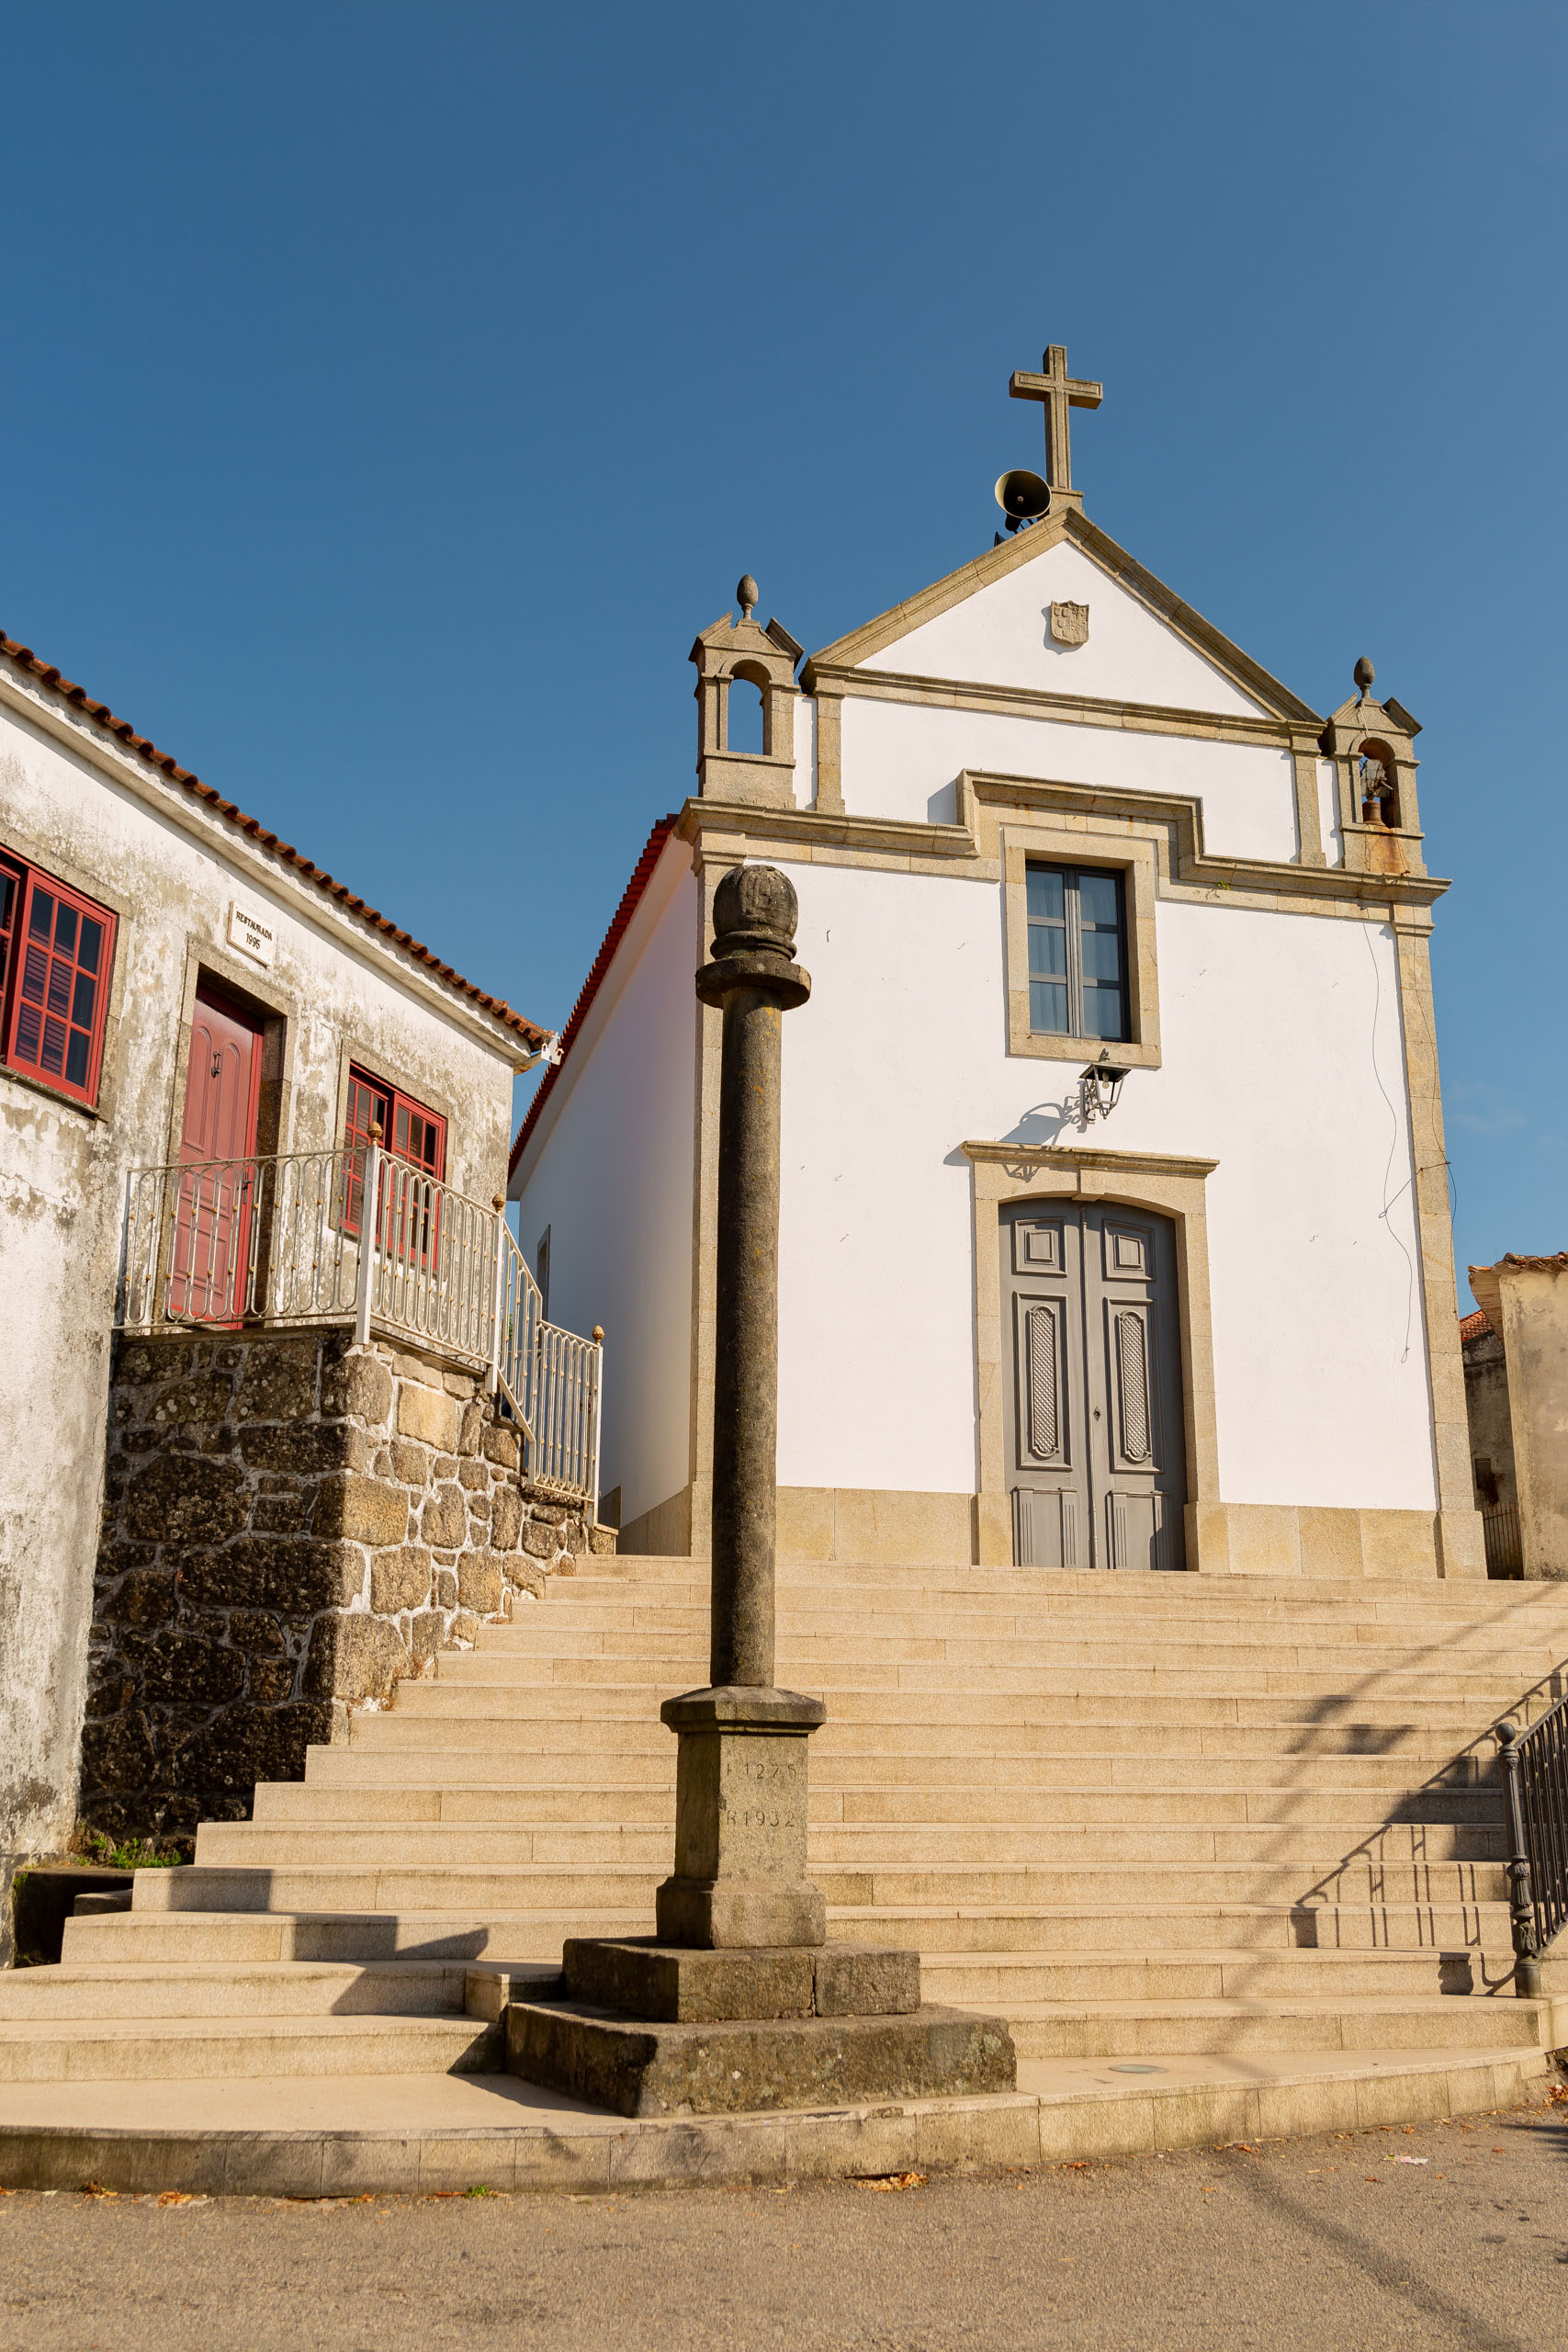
column 736, row 658
column 1371, row 744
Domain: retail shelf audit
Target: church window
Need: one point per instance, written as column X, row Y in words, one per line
column 56, row 954
column 1077, row 953
column 409, row 1133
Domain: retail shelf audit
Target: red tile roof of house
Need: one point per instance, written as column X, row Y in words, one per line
column 497, row 1007
column 642, row 873
column 1471, row 1327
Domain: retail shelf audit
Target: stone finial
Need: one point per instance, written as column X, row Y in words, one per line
column 1364, row 674
column 746, row 596
column 755, row 910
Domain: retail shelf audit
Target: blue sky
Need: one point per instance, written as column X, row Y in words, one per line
column 390, row 393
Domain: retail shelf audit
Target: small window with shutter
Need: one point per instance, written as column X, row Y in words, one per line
column 56, row 954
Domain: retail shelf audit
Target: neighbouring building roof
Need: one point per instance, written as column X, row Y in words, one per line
column 642, row 873
column 1472, row 1327
column 497, row 1007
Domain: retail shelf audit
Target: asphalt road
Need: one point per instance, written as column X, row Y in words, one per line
column 1444, row 2236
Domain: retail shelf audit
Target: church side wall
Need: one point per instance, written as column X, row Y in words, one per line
column 1282, row 1061
column 900, row 760
column 611, row 1178
column 63, row 1171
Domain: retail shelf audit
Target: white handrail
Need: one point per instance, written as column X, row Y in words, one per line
column 359, row 1238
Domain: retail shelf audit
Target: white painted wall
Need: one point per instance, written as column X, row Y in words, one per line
column 610, row 1173
column 1328, row 814
column 901, row 760
column 1000, row 635
column 63, row 1186
column 1280, row 1034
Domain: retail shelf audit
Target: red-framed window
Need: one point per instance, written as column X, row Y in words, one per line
column 56, row 956
column 410, row 1133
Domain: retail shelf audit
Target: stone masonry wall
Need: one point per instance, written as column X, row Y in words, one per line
column 291, row 1526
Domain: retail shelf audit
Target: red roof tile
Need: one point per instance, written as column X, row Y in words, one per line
column 631, row 897
column 497, row 1007
column 1471, row 1327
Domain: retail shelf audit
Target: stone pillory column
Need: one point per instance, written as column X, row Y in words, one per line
column 739, row 1875
column 738, row 2002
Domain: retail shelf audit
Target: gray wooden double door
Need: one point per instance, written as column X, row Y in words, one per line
column 1096, row 1453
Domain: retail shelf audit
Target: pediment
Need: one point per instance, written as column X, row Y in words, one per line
column 990, row 624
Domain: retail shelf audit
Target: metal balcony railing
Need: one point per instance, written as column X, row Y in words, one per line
column 358, row 1238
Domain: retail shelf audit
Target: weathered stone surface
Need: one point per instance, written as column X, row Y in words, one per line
column 427, row 1631
column 205, row 1397
column 460, row 1383
column 465, row 1626
column 400, row 1579
column 357, row 1385
column 444, row 1522
column 182, row 1666
column 366, row 1510
column 285, row 1514
column 298, row 1579
column 722, row 2068
column 539, row 1540
column 430, row 1415
column 654, row 1982
column 472, row 1429
column 446, row 1589
column 251, row 1630
column 310, row 1449
column 479, row 1582
column 410, row 1463
column 181, row 1498
column 278, row 1383
column 271, row 1681
column 118, row 1753
column 474, row 1476
column 505, row 1517
column 145, row 1597
column 501, row 1445
column 252, row 1744
column 353, row 1657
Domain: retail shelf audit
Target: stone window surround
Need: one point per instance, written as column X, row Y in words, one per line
column 1048, row 838
column 390, row 1072
column 1003, row 1173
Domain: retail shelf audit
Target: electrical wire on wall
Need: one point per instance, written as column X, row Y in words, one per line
column 1389, row 1200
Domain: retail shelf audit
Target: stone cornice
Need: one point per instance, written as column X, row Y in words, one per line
column 888, row 836
column 1191, row 862
column 1087, row 1156
column 1082, row 710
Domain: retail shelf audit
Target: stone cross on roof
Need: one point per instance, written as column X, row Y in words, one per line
column 1059, row 392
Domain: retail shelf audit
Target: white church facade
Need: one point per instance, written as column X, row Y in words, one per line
column 1194, row 1312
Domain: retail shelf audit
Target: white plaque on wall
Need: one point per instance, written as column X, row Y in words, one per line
column 251, row 934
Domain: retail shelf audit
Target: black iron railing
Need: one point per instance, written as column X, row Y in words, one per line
column 1535, row 1816
column 1500, row 1536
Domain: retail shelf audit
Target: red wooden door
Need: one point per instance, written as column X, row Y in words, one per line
column 218, row 1141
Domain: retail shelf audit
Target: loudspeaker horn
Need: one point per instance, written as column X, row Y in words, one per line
column 1022, row 496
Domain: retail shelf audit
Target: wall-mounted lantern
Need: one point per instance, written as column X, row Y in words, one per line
column 1099, row 1090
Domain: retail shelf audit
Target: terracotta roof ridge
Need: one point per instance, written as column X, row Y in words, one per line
column 642, row 873
column 497, row 1007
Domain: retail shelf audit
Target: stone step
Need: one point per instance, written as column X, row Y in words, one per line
column 961, row 1642
column 298, row 1807
column 459, row 1892
column 1038, row 1700
column 564, row 1845
column 1000, row 1983
column 165, row 1987
column 1489, row 1685
column 343, row 1770
column 438, row 1939
column 1161, row 2029
column 104, row 2050
column 938, row 1930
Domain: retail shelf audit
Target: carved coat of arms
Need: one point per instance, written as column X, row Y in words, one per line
column 1069, row 624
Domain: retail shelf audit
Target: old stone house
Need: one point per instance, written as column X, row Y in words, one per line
column 1113, row 1178
column 203, row 1038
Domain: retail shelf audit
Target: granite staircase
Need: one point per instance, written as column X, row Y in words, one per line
column 1136, row 1816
